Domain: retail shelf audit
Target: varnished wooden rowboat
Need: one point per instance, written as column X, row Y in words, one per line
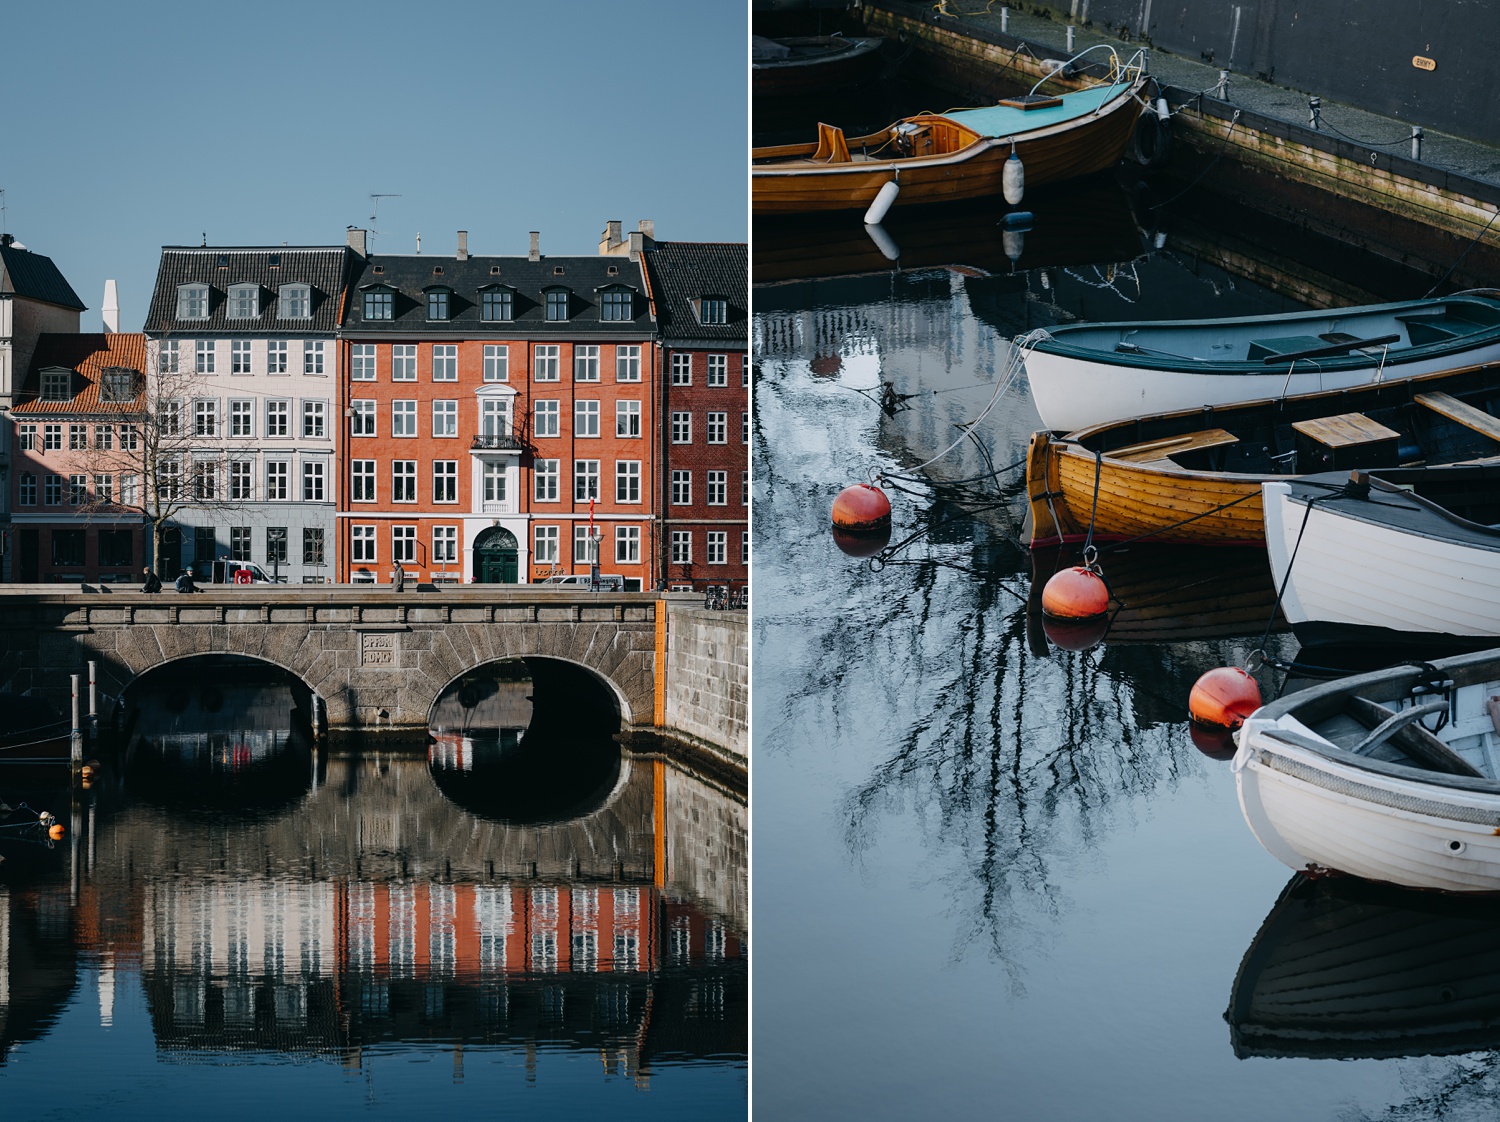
column 1196, row 475
column 942, row 157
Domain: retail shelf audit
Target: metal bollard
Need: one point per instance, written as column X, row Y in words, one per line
column 1315, row 113
column 93, row 700
column 1004, row 19
column 1070, row 38
column 1416, row 142
column 1223, row 91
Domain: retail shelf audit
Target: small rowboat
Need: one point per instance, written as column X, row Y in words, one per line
column 942, row 157
column 1091, row 373
column 1389, row 776
column 1196, row 475
column 809, row 63
column 1405, row 555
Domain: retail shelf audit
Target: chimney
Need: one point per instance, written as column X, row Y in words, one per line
column 111, row 307
column 637, row 243
column 463, row 245
column 535, row 253
column 648, row 227
column 609, row 241
column 357, row 241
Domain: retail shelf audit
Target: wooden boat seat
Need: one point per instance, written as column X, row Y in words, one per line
column 832, row 148
column 1462, row 412
column 1151, row 450
column 1443, row 326
column 1345, row 430
column 1269, row 348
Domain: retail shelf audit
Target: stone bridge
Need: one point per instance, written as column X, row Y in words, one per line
column 375, row 658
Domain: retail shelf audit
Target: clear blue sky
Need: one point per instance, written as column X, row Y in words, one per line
column 129, row 126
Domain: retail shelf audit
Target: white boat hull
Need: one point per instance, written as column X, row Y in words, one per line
column 1352, row 573
column 1314, row 813
column 1073, row 393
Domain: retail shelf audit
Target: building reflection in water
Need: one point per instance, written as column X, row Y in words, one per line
column 345, row 901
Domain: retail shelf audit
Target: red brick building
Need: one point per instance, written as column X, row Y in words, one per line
column 700, row 290
column 487, row 400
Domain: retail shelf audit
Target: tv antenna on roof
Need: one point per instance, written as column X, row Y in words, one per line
column 374, row 206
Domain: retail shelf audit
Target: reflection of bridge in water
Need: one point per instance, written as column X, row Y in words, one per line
column 374, row 909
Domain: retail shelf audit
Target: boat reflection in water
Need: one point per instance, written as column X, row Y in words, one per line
column 1347, row 969
column 346, row 909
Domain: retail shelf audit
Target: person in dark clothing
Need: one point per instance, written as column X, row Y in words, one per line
column 398, row 579
column 153, row 582
column 185, row 582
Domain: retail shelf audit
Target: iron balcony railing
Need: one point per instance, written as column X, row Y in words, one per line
column 496, row 441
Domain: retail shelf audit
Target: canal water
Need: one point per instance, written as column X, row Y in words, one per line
column 237, row 922
column 993, row 876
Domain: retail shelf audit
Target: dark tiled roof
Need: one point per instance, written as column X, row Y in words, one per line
column 32, row 275
column 323, row 268
column 89, row 355
column 412, row 275
column 681, row 272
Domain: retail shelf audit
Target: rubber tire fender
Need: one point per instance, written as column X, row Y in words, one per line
column 1151, row 143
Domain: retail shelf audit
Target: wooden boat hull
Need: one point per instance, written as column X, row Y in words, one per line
column 1341, row 969
column 1079, row 379
column 1065, row 151
column 1382, row 568
column 1314, row 806
column 1195, row 476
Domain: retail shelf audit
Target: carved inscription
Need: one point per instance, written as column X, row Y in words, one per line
column 377, row 650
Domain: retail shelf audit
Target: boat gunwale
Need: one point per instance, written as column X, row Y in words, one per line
column 973, row 150
column 1337, row 757
column 1061, row 348
column 1488, row 535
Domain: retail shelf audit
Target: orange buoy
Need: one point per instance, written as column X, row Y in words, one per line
column 865, row 543
column 862, row 506
column 1075, row 634
column 1215, row 743
column 87, row 772
column 1076, row 593
column 1223, row 698
column 55, row 831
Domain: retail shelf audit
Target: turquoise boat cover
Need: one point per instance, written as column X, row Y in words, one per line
column 1003, row 120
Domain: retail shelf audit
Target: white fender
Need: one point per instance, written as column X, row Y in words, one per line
column 882, row 204
column 883, row 241
column 1013, row 180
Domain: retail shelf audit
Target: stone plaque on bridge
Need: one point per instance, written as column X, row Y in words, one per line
column 377, row 649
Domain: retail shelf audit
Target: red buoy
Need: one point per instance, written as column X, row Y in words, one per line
column 862, row 506
column 862, row 543
column 1215, row 743
column 1224, row 697
column 1075, row 634
column 1076, row 593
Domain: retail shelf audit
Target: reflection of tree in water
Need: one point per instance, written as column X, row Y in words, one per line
column 1018, row 764
column 1452, row 1089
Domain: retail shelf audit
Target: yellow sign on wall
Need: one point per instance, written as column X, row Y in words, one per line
column 1423, row 63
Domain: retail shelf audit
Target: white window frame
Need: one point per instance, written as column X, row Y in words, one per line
column 682, row 369
column 716, row 489
column 544, row 545
column 682, row 427
column 314, row 481
column 294, row 301
column 404, row 418
column 278, row 418
column 444, row 545
column 628, row 362
column 404, row 543
column 312, row 357
column 404, row 362
column 546, row 414
column 362, row 486
column 445, row 481
column 585, row 362
column 546, row 362
column 497, row 362
column 243, row 302
column 682, row 487
column 445, row 362
column 314, row 419
column 627, row 545
column 445, row 418
column 586, row 481
column 362, row 544
column 718, row 428
column 363, row 416
column 242, row 417
column 192, row 301
column 718, row 371
column 627, row 481
column 586, row 418
column 276, row 356
column 278, row 480
column 547, row 480
column 716, row 547
column 362, row 362
column 205, row 356
column 627, row 419
column 682, row 547
column 403, row 481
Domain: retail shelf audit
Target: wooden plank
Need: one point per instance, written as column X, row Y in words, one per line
column 1414, row 740
column 1344, row 430
column 1170, row 446
column 1460, row 411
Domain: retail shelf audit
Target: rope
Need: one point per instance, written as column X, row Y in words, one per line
column 1223, row 144
column 1462, row 255
column 1162, row 529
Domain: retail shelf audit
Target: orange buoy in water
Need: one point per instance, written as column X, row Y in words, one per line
column 861, row 507
column 1215, row 743
column 1076, row 593
column 1075, row 634
column 865, row 543
column 1224, row 697
column 55, row 831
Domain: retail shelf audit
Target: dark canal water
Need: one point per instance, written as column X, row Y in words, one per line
column 994, row 877
column 502, row 923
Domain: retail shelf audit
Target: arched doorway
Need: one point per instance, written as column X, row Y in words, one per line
column 496, row 556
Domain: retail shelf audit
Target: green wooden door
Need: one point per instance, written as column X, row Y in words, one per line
column 496, row 557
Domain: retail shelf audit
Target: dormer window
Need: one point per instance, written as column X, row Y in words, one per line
column 494, row 270
column 713, row 310
column 57, row 385
column 380, row 303
column 557, row 304
column 497, row 305
column 437, row 303
column 192, row 301
column 117, row 385
column 617, row 304
column 244, row 301
column 294, row 301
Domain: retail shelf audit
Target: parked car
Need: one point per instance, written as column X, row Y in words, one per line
column 608, row 582
column 229, row 572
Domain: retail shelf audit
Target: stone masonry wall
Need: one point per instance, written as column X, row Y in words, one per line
column 708, row 677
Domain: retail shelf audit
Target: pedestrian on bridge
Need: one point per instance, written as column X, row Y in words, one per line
column 153, row 582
